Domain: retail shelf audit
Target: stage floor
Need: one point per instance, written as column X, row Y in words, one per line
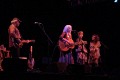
column 40, row 75
column 16, row 69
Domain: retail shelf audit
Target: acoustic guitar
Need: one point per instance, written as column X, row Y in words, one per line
column 69, row 44
column 31, row 61
column 66, row 45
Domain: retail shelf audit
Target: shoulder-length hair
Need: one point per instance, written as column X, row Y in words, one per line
column 97, row 38
column 66, row 28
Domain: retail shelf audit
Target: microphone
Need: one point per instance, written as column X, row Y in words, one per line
column 74, row 31
column 37, row 23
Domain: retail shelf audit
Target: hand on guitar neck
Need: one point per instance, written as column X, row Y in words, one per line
column 25, row 41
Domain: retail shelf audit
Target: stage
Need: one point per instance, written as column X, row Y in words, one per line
column 16, row 69
column 38, row 75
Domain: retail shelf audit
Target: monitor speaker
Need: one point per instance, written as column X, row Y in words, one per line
column 14, row 65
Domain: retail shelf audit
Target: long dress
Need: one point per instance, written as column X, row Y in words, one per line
column 81, row 53
column 94, row 54
column 66, row 56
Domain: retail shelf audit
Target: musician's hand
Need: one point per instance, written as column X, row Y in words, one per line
column 84, row 42
column 20, row 44
column 27, row 41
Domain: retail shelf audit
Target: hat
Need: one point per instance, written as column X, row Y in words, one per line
column 15, row 20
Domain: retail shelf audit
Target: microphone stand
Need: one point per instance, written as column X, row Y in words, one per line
column 49, row 40
column 104, row 45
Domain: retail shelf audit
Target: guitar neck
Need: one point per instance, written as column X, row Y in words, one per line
column 26, row 41
column 31, row 50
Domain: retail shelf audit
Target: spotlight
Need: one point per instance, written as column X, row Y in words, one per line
column 115, row 1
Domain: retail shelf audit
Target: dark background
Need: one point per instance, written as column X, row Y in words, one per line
column 93, row 16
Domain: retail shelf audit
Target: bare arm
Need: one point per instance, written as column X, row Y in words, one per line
column 99, row 44
column 62, row 36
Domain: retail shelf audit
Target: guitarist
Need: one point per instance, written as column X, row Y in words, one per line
column 65, row 45
column 15, row 38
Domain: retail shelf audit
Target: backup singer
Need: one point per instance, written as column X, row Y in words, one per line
column 81, row 49
column 94, row 54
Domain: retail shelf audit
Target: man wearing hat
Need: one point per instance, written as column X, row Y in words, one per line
column 14, row 38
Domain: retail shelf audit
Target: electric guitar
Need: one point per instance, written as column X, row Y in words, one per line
column 23, row 42
column 31, row 60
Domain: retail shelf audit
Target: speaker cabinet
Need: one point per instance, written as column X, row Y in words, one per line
column 55, row 67
column 14, row 65
column 75, row 69
column 59, row 67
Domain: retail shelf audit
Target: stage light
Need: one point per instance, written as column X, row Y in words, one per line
column 115, row 1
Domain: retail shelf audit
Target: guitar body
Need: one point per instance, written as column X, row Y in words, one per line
column 65, row 46
column 31, row 63
column 31, row 60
